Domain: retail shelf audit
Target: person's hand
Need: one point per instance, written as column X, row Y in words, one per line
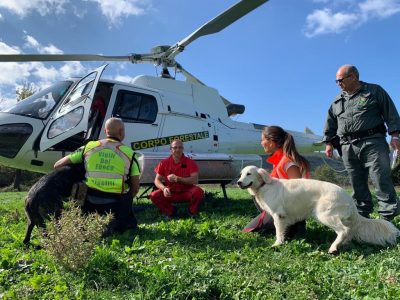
column 329, row 150
column 395, row 143
column 172, row 178
column 167, row 192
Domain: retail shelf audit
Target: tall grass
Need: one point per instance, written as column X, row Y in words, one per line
column 202, row 258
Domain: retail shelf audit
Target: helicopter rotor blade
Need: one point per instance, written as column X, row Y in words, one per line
column 133, row 58
column 217, row 24
column 164, row 55
column 60, row 57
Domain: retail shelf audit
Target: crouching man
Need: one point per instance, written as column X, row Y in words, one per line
column 176, row 177
column 112, row 176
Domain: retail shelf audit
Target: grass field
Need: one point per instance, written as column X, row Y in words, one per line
column 203, row 258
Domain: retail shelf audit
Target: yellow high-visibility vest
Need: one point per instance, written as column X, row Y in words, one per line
column 107, row 165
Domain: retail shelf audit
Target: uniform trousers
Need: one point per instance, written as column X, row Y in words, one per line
column 371, row 157
column 120, row 207
column 194, row 195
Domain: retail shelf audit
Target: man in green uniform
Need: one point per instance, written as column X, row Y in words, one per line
column 112, row 176
column 358, row 116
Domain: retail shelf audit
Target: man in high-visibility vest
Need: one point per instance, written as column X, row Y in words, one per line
column 176, row 179
column 112, row 176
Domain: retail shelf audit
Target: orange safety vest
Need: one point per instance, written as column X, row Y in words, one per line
column 279, row 161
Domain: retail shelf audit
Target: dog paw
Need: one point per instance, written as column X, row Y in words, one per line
column 333, row 251
column 276, row 244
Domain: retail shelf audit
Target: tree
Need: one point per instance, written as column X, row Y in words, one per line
column 26, row 90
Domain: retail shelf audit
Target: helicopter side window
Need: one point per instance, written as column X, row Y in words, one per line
column 148, row 109
column 136, row 107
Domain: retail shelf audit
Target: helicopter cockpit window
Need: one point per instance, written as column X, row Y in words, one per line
column 136, row 107
column 80, row 91
column 66, row 122
column 41, row 104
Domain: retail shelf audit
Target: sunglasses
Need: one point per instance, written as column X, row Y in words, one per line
column 341, row 79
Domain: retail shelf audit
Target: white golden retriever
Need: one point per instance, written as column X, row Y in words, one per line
column 290, row 201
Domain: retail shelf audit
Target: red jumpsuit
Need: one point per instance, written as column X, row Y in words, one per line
column 180, row 192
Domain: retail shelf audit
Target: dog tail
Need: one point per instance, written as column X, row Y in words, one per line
column 375, row 231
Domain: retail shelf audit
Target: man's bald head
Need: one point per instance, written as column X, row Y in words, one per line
column 347, row 77
column 348, row 70
column 115, row 128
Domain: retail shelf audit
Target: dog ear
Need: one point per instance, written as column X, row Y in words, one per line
column 264, row 175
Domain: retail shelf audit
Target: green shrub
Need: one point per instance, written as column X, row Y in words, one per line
column 72, row 239
column 326, row 173
column 396, row 172
column 27, row 178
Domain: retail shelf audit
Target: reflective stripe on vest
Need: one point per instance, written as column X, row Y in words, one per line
column 113, row 180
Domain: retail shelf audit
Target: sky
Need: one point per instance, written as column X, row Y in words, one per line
column 279, row 60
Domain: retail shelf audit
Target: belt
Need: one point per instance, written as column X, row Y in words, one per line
column 365, row 133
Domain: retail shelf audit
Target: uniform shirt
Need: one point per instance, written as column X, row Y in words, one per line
column 368, row 108
column 183, row 168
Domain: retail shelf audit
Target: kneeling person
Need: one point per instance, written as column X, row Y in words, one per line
column 112, row 176
column 176, row 177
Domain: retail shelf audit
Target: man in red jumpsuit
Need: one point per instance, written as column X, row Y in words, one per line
column 176, row 177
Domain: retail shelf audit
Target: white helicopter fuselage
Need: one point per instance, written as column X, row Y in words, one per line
column 41, row 129
column 155, row 111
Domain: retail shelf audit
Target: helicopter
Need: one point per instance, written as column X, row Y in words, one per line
column 41, row 129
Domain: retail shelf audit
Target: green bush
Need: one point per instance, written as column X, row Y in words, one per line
column 72, row 239
column 326, row 173
column 27, row 178
column 396, row 172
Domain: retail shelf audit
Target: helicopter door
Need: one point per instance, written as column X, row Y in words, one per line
column 71, row 118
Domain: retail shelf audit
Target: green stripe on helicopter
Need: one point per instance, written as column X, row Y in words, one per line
column 163, row 141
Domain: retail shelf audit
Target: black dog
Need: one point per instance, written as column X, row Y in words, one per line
column 46, row 196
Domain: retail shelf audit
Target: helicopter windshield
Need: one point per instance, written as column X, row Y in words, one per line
column 40, row 105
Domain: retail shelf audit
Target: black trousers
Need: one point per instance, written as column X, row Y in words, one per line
column 121, row 208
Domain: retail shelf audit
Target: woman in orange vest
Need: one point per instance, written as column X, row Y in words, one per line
column 287, row 163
